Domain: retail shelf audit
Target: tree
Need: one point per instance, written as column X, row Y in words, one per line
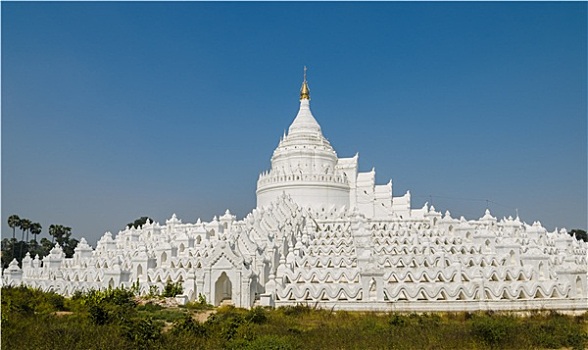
column 581, row 235
column 35, row 229
column 25, row 225
column 56, row 232
column 139, row 222
column 69, row 247
column 42, row 249
column 13, row 222
column 45, row 247
column 52, row 232
column 63, row 238
column 10, row 246
column 62, row 234
column 7, row 251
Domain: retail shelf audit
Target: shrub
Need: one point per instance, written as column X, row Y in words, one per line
column 264, row 342
column 257, row 315
column 226, row 321
column 149, row 307
column 296, row 310
column 397, row 320
column 116, row 296
column 166, row 314
column 494, row 330
column 270, row 342
column 106, row 306
column 172, row 289
column 201, row 304
column 28, row 301
column 556, row 331
column 143, row 332
column 153, row 292
column 189, row 325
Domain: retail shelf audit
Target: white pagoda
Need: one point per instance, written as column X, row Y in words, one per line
column 325, row 234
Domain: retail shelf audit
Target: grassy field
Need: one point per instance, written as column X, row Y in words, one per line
column 114, row 320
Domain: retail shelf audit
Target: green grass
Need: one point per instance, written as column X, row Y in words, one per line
column 111, row 320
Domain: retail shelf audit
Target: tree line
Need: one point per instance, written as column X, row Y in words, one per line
column 17, row 249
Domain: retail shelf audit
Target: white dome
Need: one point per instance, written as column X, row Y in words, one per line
column 304, row 121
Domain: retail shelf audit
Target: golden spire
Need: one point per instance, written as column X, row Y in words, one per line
column 304, row 90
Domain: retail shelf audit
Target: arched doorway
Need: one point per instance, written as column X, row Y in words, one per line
column 223, row 289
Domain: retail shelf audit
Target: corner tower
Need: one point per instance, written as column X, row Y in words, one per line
column 304, row 165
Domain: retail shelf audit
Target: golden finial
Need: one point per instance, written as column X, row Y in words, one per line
column 304, row 90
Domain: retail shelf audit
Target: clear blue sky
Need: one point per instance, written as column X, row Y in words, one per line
column 112, row 111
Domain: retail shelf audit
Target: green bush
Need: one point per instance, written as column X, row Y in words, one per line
column 172, row 289
column 555, row 330
column 153, row 292
column 264, row 342
column 143, row 333
column 494, row 331
column 397, row 320
column 28, row 301
column 111, row 305
column 296, row 310
column 189, row 325
column 257, row 315
column 201, row 304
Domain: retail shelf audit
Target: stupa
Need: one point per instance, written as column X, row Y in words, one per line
column 323, row 233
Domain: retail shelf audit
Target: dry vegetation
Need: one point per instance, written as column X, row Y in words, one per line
column 114, row 319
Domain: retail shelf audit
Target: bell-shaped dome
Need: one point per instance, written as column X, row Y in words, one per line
column 304, row 121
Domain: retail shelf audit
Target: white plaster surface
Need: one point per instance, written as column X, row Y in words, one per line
column 325, row 234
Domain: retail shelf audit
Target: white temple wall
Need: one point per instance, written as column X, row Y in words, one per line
column 306, row 194
column 355, row 262
column 365, row 193
column 348, row 167
column 304, row 161
column 401, row 205
column 383, row 201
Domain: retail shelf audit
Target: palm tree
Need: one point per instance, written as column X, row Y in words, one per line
column 13, row 222
column 25, row 225
column 63, row 240
column 60, row 234
column 36, row 229
column 54, row 231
